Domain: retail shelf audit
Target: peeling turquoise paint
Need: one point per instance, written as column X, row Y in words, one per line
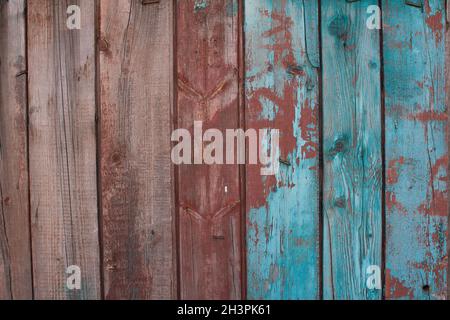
column 283, row 235
column 416, row 150
column 352, row 182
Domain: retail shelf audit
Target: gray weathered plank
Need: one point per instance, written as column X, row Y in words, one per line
column 136, row 97
column 62, row 142
column 15, row 255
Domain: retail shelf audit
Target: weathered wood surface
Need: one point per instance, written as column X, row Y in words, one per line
column 15, row 255
column 136, row 173
column 62, row 149
column 352, row 181
column 416, row 150
column 282, row 90
column 447, row 103
column 209, row 195
column 216, row 231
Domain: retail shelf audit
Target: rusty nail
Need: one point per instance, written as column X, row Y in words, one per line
column 284, row 161
column 144, row 2
column 416, row 4
column 21, row 73
column 295, row 70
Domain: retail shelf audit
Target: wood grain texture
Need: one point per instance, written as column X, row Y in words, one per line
column 209, row 195
column 15, row 255
column 352, row 227
column 62, row 149
column 282, row 90
column 416, row 150
column 447, row 103
column 136, row 172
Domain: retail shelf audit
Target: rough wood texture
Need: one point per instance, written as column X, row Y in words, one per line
column 209, row 195
column 352, row 227
column 282, row 90
column 416, row 150
column 447, row 103
column 62, row 149
column 136, row 185
column 15, row 255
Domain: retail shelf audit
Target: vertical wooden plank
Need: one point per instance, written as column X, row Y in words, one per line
column 447, row 103
column 209, row 195
column 282, row 90
column 416, row 150
column 352, row 150
column 136, row 98
column 62, row 146
column 15, row 255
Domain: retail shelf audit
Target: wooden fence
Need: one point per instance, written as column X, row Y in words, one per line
column 87, row 180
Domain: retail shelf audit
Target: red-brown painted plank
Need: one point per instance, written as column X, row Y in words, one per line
column 209, row 208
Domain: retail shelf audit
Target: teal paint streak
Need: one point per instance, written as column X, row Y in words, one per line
column 200, row 5
column 352, row 150
column 416, row 150
column 312, row 38
column 282, row 237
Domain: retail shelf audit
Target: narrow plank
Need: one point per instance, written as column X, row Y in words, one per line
column 352, row 228
column 209, row 195
column 447, row 103
column 136, row 172
column 62, row 149
column 15, row 255
column 416, row 150
column 282, row 92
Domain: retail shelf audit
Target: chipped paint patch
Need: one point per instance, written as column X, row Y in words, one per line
column 200, row 5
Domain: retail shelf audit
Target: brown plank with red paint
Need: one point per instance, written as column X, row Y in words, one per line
column 209, row 209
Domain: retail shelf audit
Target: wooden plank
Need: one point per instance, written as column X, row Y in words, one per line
column 62, row 149
column 15, row 255
column 136, row 172
column 282, row 90
column 447, row 103
column 209, row 195
column 352, row 228
column 416, row 150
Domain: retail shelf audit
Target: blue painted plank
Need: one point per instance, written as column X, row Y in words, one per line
column 416, row 150
column 282, row 93
column 352, row 227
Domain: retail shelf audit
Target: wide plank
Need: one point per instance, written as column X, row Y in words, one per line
column 282, row 93
column 352, row 151
column 15, row 254
column 136, row 83
column 209, row 196
column 62, row 149
column 416, row 150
